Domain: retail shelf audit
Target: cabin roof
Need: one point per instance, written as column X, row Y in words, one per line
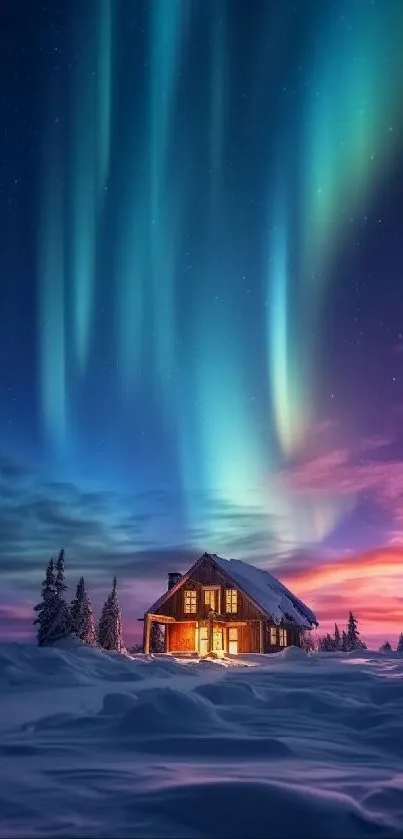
column 266, row 592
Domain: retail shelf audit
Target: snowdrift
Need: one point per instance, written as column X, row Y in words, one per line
column 102, row 745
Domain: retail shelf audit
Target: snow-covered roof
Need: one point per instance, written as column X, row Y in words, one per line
column 267, row 592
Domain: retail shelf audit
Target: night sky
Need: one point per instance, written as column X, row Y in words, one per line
column 201, row 319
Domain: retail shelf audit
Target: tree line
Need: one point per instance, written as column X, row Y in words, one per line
column 345, row 641
column 57, row 620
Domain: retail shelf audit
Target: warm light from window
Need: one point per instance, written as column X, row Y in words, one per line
column 273, row 636
column 282, row 637
column 190, row 602
column 231, row 601
column 209, row 598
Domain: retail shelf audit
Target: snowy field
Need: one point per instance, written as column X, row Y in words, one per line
column 99, row 745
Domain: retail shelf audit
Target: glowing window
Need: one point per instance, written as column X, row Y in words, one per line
column 231, row 601
column 282, row 637
column 210, row 598
column 190, row 602
column 273, row 636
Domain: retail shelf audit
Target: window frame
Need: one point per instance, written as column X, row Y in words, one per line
column 282, row 636
column 217, row 598
column 273, row 634
column 190, row 601
column 230, row 595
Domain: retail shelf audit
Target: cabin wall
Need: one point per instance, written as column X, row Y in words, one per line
column 182, row 637
column 249, row 638
column 293, row 637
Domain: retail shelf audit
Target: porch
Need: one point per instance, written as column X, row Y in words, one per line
column 202, row 637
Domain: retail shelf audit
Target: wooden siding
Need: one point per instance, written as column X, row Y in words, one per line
column 293, row 637
column 248, row 638
column 206, row 574
column 182, row 637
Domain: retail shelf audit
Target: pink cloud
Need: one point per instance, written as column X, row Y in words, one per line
column 369, row 584
column 346, row 472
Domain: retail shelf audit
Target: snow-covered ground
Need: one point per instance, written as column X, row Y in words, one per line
column 289, row 745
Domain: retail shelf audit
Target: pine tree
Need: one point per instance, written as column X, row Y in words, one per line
column 110, row 634
column 53, row 619
column 156, row 638
column 353, row 640
column 337, row 637
column 399, row 648
column 326, row 644
column 343, row 640
column 385, row 648
column 82, row 618
column 60, row 584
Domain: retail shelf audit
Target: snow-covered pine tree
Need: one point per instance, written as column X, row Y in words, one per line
column 82, row 618
column 156, row 638
column 337, row 637
column 399, row 648
column 343, row 640
column 385, row 648
column 326, row 644
column 353, row 640
column 60, row 584
column 53, row 619
column 110, row 634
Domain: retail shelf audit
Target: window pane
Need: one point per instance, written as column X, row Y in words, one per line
column 209, row 598
column 190, row 605
column 273, row 635
column 231, row 600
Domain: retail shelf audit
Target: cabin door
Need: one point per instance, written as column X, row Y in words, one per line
column 203, row 640
column 233, row 640
column 218, row 639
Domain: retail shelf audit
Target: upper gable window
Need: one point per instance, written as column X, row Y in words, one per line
column 231, row 601
column 210, row 598
column 190, row 604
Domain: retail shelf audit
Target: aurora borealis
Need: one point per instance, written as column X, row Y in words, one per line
column 202, row 304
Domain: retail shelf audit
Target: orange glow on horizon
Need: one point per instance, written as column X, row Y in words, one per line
column 369, row 584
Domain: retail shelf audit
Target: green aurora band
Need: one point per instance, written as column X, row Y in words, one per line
column 133, row 169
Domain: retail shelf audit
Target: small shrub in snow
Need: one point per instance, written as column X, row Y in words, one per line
column 385, row 648
column 306, row 641
column 135, row 649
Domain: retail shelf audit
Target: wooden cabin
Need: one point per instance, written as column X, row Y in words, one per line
column 227, row 607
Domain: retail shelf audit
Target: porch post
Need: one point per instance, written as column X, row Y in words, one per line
column 210, row 632
column 166, row 638
column 261, row 637
column 147, row 631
